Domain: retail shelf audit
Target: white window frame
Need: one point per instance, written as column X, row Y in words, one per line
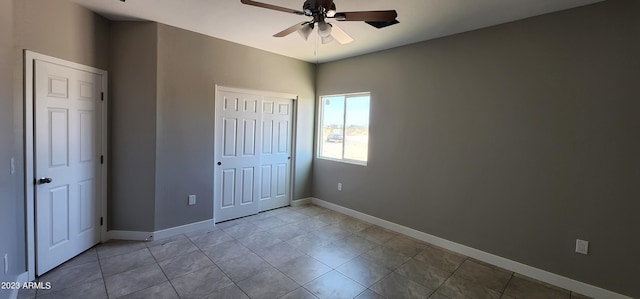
column 320, row 124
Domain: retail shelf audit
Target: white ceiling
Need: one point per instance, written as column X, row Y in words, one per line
column 252, row 26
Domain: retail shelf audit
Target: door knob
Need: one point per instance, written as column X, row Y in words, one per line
column 44, row 180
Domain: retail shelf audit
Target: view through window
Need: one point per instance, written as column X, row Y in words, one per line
column 344, row 127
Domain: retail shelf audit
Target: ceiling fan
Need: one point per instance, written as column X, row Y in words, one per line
column 320, row 11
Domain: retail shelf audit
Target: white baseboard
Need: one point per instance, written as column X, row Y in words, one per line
column 161, row 234
column 14, row 294
column 170, row 232
column 542, row 275
column 130, row 235
column 22, row 278
column 301, row 202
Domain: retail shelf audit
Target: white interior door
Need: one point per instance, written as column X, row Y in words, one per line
column 67, row 123
column 275, row 153
column 237, row 155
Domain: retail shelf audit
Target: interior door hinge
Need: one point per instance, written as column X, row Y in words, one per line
column 101, row 159
column 102, row 96
column 101, row 221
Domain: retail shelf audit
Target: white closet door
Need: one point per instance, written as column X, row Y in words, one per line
column 275, row 153
column 237, row 154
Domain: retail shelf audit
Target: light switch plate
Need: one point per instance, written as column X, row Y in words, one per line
column 192, row 200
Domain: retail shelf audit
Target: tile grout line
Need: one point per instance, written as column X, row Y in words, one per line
column 104, row 281
column 163, row 272
column 215, row 264
column 273, row 266
column 508, row 282
column 155, row 261
column 38, row 279
column 307, row 217
column 220, row 268
column 449, row 277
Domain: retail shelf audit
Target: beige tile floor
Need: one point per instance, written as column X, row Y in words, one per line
column 292, row 252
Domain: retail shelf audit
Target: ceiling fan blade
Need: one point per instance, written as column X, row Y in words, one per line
column 291, row 29
column 373, row 16
column 339, row 35
column 382, row 24
column 273, row 7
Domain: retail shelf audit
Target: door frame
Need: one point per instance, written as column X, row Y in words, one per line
column 29, row 153
column 294, row 127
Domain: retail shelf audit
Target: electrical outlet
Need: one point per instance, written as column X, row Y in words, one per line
column 192, row 200
column 339, row 186
column 582, row 246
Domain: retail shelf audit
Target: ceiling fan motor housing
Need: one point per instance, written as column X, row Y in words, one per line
column 306, row 7
column 315, row 8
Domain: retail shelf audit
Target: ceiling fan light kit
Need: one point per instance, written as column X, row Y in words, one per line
column 305, row 31
column 326, row 39
column 324, row 29
column 320, row 10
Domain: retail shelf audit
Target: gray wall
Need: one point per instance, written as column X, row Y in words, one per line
column 189, row 67
column 163, row 89
column 62, row 29
column 56, row 28
column 515, row 140
column 138, row 115
column 11, row 207
column 132, row 130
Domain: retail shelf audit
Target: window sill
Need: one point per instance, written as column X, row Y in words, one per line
column 353, row 162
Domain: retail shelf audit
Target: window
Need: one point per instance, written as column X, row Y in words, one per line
column 344, row 128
